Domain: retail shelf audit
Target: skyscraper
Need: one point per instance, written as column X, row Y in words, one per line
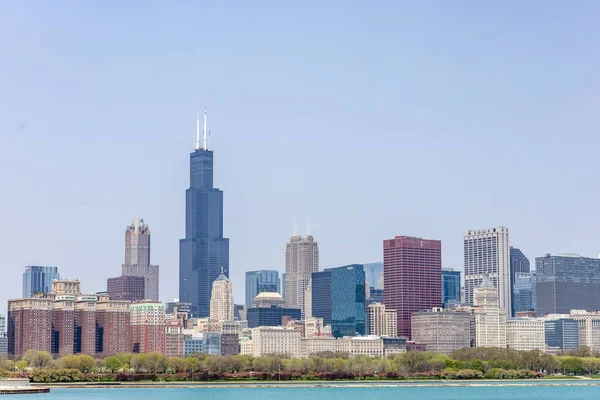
column 450, row 286
column 221, row 301
column 261, row 281
column 567, row 282
column 301, row 260
column 487, row 254
column 374, row 274
column 137, row 257
column 38, row 279
column 490, row 317
column 520, row 281
column 412, row 269
column 204, row 252
column 339, row 297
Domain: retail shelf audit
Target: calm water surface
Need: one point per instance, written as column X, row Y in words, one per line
column 387, row 393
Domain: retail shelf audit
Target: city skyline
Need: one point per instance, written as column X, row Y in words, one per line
column 284, row 139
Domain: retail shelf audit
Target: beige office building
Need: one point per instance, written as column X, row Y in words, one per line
column 441, row 330
column 526, row 334
column 382, row 321
column 301, row 260
column 490, row 318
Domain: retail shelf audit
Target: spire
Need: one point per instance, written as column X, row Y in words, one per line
column 205, row 131
column 197, row 144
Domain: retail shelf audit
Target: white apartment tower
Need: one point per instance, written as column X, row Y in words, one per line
column 487, row 254
column 382, row 321
column 301, row 260
column 221, row 300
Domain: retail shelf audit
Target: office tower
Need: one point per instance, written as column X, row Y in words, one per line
column 301, row 260
column 113, row 327
column 283, row 285
column 339, row 297
column 137, row 257
column 412, row 269
column 148, row 327
column 221, row 301
column 441, row 329
column 525, row 334
column 562, row 334
column 450, row 286
column 487, row 254
column 29, row 325
column 204, row 252
column 271, row 316
column 520, row 281
column 382, row 321
column 261, row 281
column 38, row 279
column 490, row 317
column 567, row 282
column 374, row 274
column 239, row 312
column 174, row 338
column 126, row 287
column 62, row 327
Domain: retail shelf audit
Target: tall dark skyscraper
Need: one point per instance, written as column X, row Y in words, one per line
column 204, row 252
column 521, row 282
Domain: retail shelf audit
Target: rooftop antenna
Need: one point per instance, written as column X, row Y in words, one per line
column 205, row 131
column 197, row 144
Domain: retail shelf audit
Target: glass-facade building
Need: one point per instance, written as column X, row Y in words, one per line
column 261, row 281
column 520, row 282
column 450, row 286
column 339, row 297
column 566, row 282
column 211, row 343
column 562, row 334
column 204, row 252
column 38, row 279
column 374, row 274
column 270, row 316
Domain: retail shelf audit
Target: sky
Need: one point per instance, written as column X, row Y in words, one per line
column 370, row 119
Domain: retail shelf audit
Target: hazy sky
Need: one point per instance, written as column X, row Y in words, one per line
column 371, row 119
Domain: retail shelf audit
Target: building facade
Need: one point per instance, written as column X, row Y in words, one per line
column 450, row 286
column 148, row 327
column 520, row 281
column 339, row 297
column 526, row 334
column 382, row 321
column 490, row 318
column 38, row 279
column 271, row 316
column 126, row 287
column 442, row 330
column 562, row 334
column 221, row 301
column 589, row 328
column 487, row 254
column 567, row 282
column 269, row 340
column 412, row 269
column 261, row 281
column 268, row 300
column 137, row 258
column 374, row 275
column 204, row 252
column 301, row 260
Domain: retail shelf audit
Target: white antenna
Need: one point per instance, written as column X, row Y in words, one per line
column 205, row 132
column 197, row 144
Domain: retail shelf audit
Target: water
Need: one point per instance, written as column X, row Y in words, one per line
column 492, row 392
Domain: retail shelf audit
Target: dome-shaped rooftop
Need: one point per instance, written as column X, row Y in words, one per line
column 268, row 296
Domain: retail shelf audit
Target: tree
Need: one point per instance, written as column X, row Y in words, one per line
column 37, row 358
column 571, row 365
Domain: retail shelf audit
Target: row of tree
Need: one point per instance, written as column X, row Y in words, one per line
column 462, row 364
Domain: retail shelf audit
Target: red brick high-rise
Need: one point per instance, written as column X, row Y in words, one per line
column 29, row 325
column 126, row 287
column 412, row 277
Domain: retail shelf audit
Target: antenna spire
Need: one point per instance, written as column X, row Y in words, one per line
column 205, row 131
column 197, row 144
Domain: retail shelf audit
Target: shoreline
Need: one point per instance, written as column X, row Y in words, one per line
column 322, row 384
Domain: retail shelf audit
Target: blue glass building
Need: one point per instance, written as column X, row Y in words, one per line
column 450, row 286
column 520, row 282
column 204, row 252
column 374, row 274
column 338, row 296
column 562, row 334
column 270, row 316
column 261, row 281
column 38, row 279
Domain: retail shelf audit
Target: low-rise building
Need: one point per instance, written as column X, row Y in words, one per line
column 442, row 330
column 268, row 340
column 562, row 334
column 526, row 334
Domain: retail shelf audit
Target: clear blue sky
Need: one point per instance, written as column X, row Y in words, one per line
column 371, row 119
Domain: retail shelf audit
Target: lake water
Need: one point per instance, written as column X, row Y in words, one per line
column 492, row 392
